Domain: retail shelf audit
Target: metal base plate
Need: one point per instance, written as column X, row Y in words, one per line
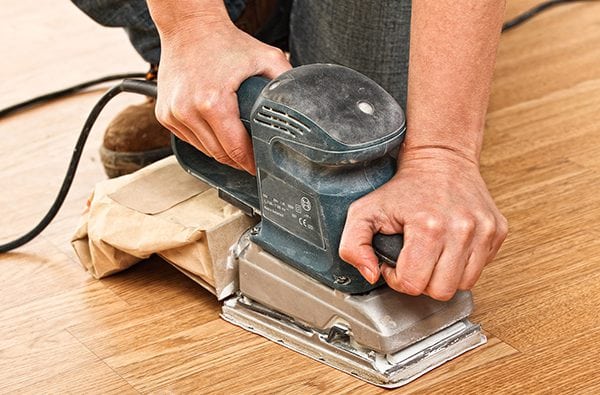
column 385, row 370
column 382, row 320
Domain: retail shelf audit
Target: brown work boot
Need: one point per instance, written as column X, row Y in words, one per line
column 134, row 138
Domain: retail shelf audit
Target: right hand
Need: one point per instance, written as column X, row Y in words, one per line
column 202, row 65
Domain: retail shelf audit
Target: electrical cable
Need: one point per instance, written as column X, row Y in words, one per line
column 147, row 88
column 65, row 92
column 525, row 16
column 142, row 87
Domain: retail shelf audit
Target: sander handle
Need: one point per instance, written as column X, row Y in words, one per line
column 248, row 94
column 387, row 247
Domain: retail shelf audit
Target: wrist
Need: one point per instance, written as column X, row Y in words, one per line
column 176, row 19
column 441, row 154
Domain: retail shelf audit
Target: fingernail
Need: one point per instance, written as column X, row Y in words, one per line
column 367, row 273
column 385, row 270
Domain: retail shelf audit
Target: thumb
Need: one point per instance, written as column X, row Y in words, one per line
column 356, row 249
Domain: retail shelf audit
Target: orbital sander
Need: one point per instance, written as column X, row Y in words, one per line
column 322, row 136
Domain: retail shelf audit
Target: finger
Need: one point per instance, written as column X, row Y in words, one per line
column 419, row 255
column 185, row 134
column 475, row 264
column 499, row 237
column 274, row 63
column 449, row 269
column 481, row 248
column 485, row 248
column 166, row 118
column 355, row 246
column 204, row 135
column 210, row 146
column 224, row 120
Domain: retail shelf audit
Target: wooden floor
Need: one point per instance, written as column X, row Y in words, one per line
column 151, row 330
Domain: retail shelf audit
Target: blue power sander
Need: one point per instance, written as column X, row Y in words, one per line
column 322, row 137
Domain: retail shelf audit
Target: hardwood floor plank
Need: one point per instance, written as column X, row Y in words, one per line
column 53, row 314
column 142, row 326
column 43, row 265
column 562, row 367
column 553, row 51
column 41, row 357
column 152, row 330
column 94, row 377
column 554, row 119
column 536, row 318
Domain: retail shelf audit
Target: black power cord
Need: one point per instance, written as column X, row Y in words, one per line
column 142, row 87
column 65, row 92
column 147, row 88
column 519, row 19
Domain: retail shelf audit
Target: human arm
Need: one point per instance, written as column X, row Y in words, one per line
column 438, row 198
column 204, row 59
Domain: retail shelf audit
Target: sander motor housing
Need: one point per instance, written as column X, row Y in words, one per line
column 322, row 136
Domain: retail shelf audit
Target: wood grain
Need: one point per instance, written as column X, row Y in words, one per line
column 152, row 330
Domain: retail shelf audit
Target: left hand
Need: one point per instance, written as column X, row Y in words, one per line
column 451, row 226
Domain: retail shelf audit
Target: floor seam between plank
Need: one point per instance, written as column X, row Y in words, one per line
column 504, row 341
column 102, row 360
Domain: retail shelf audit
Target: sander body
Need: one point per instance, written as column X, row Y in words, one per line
column 323, row 136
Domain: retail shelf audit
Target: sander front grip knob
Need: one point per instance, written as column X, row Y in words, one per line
column 387, row 248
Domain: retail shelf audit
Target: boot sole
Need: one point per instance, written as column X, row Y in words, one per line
column 117, row 163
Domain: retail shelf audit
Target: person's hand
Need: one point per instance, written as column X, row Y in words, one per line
column 451, row 226
column 202, row 65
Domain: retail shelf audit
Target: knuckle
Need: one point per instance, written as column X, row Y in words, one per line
column 276, row 53
column 442, row 294
column 355, row 208
column 209, row 101
column 488, row 226
column 162, row 114
column 411, row 287
column 352, row 256
column 163, row 119
column 395, row 284
column 182, row 112
column 345, row 253
column 431, row 224
column 502, row 227
column 462, row 226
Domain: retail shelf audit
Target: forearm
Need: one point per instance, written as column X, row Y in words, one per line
column 172, row 15
column 452, row 56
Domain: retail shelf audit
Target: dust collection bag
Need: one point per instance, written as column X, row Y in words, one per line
column 161, row 210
